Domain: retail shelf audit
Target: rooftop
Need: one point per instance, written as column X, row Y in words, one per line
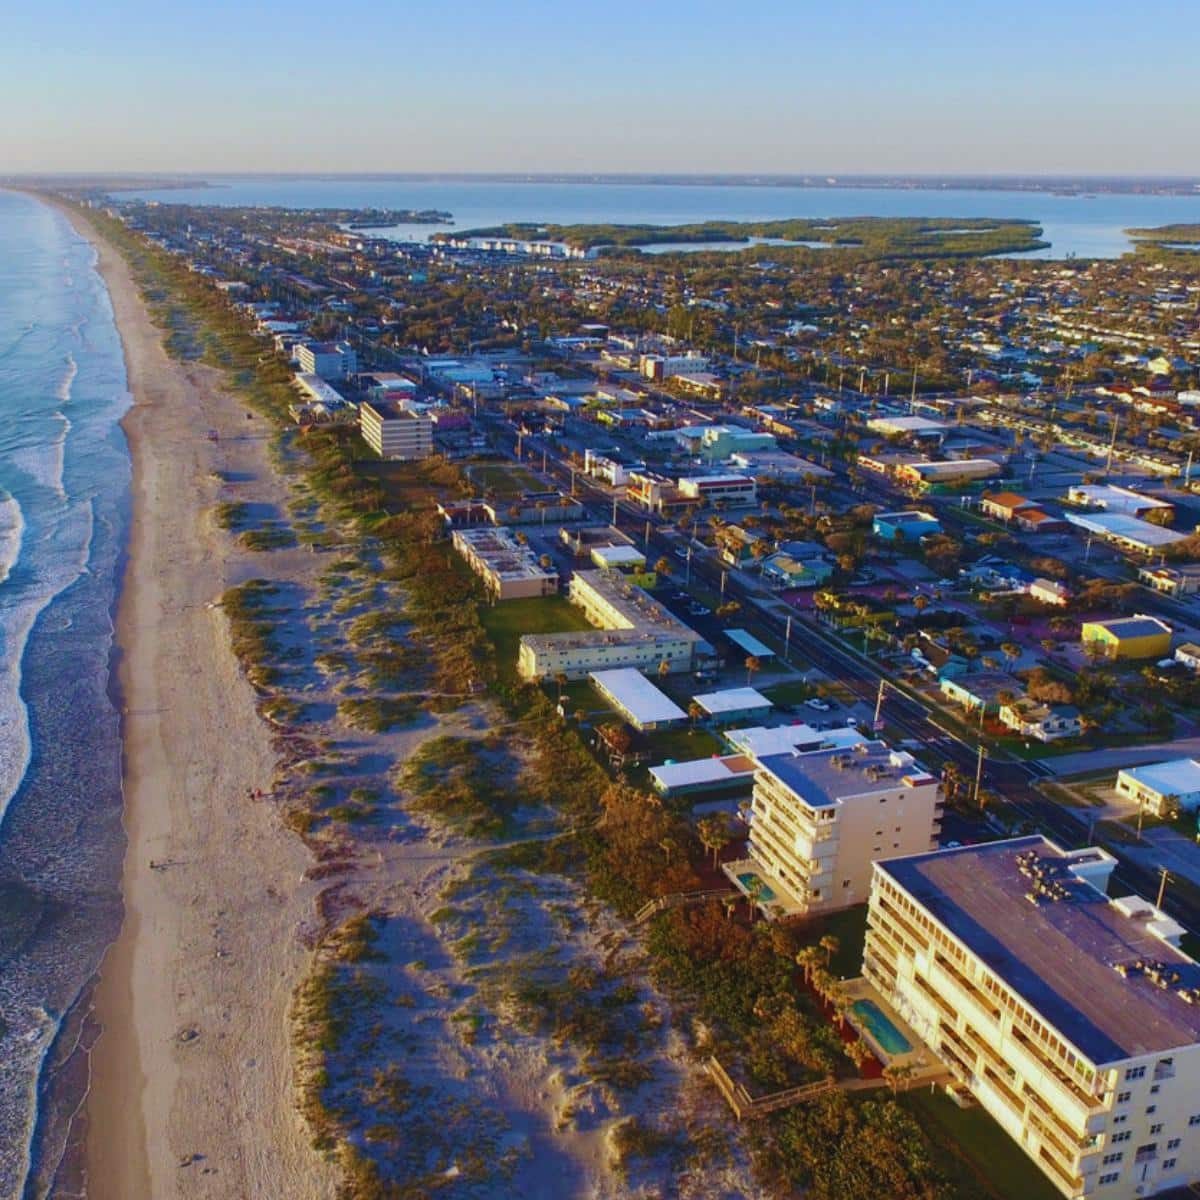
column 828, row 777
column 634, row 694
column 732, row 700
column 1060, row 956
column 1178, row 777
column 1131, row 627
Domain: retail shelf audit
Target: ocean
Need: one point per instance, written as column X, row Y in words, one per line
column 64, row 508
column 1076, row 225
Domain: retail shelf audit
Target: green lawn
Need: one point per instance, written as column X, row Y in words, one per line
column 682, row 744
column 1000, row 1167
column 789, row 693
column 507, row 621
column 850, row 928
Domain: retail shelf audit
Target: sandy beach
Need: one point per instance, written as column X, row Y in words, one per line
column 191, row 1083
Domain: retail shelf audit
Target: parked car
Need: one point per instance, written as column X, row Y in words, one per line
column 819, row 704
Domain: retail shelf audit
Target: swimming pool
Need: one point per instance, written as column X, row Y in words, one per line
column 875, row 1021
column 765, row 894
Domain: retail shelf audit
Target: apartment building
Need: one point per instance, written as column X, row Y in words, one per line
column 733, row 490
column 1071, row 1017
column 394, row 432
column 820, row 819
column 632, row 630
column 330, row 360
column 510, row 570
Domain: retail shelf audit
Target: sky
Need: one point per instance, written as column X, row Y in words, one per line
column 780, row 86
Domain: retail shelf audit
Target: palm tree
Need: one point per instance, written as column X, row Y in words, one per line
column 752, row 665
column 830, row 946
column 754, row 892
column 1011, row 652
column 857, row 1052
column 662, row 567
column 808, row 960
column 695, row 712
column 664, row 669
column 561, row 679
column 896, row 1074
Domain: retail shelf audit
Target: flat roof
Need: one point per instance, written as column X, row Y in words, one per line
column 1177, row 777
column 732, row 700
column 1129, row 627
column 699, row 771
column 1121, row 525
column 759, row 741
column 1059, row 956
column 749, row 643
column 617, row 554
column 828, row 777
column 631, row 691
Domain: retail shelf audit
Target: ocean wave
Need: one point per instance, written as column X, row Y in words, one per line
column 64, row 384
column 12, row 527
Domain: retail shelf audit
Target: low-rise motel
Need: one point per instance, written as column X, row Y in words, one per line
column 509, row 569
column 632, row 630
column 1071, row 1017
column 821, row 817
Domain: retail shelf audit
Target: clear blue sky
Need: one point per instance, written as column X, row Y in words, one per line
column 1096, row 86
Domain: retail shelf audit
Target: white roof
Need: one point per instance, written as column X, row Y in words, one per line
column 749, row 643
column 784, row 739
column 1120, row 525
column 605, row 556
column 1179, row 777
column 637, row 696
column 692, row 773
column 732, row 700
column 905, row 424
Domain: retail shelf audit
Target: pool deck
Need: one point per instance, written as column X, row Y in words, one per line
column 919, row 1058
column 782, row 905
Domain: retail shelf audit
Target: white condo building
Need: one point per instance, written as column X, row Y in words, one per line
column 395, row 432
column 819, row 819
column 1072, row 1018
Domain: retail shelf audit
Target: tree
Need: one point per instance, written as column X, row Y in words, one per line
column 664, row 669
column 896, row 1074
column 695, row 712
column 754, row 892
column 662, row 567
column 561, row 679
column 752, row 666
column 715, row 835
column 829, row 946
column 1011, row 652
column 808, row 960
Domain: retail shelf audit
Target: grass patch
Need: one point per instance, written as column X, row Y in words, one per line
column 505, row 623
column 378, row 714
column 453, row 778
column 268, row 537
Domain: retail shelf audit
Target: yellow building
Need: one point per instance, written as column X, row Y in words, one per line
column 1072, row 1018
column 1133, row 637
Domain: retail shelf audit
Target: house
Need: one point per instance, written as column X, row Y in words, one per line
column 1189, row 655
column 985, row 690
column 1045, row 722
column 1161, row 787
column 737, row 544
column 1004, row 506
column 1034, row 520
column 715, row 776
column 1050, row 591
column 784, row 571
column 732, row 704
column 1135, row 637
column 908, row 526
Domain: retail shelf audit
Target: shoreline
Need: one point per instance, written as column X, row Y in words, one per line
column 197, row 959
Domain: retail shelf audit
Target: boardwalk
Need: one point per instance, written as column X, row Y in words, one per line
column 747, row 1107
column 679, row 900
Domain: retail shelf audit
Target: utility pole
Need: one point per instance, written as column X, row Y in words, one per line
column 724, row 577
column 979, row 772
column 787, row 637
column 543, row 462
column 614, row 513
column 878, row 707
column 687, row 578
column 1141, row 817
column 647, row 537
column 1112, row 445
column 1162, row 887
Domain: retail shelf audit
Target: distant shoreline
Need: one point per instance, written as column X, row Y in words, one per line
column 1070, row 185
